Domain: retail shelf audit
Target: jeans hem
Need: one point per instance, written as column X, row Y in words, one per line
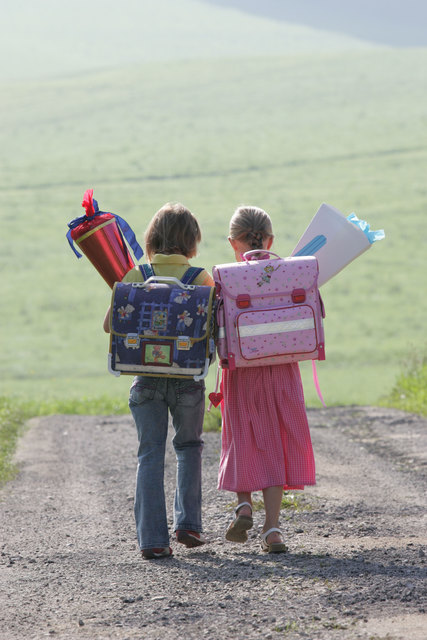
column 155, row 545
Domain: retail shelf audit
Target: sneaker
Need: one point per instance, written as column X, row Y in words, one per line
column 150, row 554
column 190, row 538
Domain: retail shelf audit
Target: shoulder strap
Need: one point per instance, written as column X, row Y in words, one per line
column 146, row 270
column 191, row 274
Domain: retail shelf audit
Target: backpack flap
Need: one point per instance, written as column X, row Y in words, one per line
column 161, row 327
column 269, row 312
column 265, row 278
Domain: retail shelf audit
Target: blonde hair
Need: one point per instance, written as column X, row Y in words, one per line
column 173, row 229
column 251, row 225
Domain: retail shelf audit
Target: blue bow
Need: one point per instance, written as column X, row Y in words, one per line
column 364, row 226
column 125, row 228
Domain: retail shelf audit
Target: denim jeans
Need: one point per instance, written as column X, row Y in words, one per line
column 150, row 401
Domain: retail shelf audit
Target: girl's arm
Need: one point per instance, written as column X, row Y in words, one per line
column 106, row 323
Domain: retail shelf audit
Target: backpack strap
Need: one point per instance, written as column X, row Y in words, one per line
column 146, row 270
column 191, row 274
column 316, row 383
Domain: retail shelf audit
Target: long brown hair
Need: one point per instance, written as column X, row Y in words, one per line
column 251, row 225
column 173, row 229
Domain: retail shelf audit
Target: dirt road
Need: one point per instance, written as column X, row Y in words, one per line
column 70, row 568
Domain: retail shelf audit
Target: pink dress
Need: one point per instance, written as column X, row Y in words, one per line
column 265, row 434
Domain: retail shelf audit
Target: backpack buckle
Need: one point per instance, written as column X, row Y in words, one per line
column 243, row 301
column 183, row 343
column 132, row 341
column 298, row 296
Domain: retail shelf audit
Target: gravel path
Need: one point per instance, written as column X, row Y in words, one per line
column 70, row 568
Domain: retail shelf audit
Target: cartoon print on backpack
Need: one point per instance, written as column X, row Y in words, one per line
column 184, row 320
column 182, row 297
column 266, row 277
column 157, row 353
column 159, row 320
column 202, row 309
column 125, row 312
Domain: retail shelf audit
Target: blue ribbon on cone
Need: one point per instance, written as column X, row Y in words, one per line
column 124, row 227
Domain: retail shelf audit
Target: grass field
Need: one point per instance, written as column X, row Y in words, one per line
column 285, row 133
column 56, row 39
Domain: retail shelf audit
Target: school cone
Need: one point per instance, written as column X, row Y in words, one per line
column 335, row 240
column 101, row 237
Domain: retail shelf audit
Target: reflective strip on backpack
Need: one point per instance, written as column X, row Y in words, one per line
column 275, row 327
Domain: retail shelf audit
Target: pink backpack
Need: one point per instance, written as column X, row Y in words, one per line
column 269, row 311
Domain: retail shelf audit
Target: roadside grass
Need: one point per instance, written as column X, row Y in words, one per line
column 12, row 420
column 410, row 390
column 15, row 412
column 295, row 502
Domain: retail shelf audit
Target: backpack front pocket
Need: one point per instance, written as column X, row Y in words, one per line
column 269, row 332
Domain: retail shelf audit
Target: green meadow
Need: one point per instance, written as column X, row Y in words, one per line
column 283, row 132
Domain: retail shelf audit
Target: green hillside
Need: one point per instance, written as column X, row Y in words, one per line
column 285, row 133
column 46, row 38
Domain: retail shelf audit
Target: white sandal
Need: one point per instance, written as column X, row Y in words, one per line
column 273, row 547
column 238, row 528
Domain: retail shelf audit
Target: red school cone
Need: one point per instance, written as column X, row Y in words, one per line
column 101, row 237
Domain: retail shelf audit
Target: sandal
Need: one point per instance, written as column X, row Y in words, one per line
column 238, row 528
column 273, row 547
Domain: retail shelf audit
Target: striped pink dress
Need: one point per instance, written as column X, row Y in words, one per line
column 265, row 435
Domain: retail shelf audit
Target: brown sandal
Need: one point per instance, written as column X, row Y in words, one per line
column 238, row 528
column 272, row 547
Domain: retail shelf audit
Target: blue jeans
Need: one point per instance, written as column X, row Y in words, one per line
column 150, row 401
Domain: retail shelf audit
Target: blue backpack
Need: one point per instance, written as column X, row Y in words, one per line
column 162, row 327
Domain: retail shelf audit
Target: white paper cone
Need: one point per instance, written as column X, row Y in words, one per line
column 334, row 240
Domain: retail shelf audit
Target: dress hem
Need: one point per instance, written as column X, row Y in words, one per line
column 286, row 487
